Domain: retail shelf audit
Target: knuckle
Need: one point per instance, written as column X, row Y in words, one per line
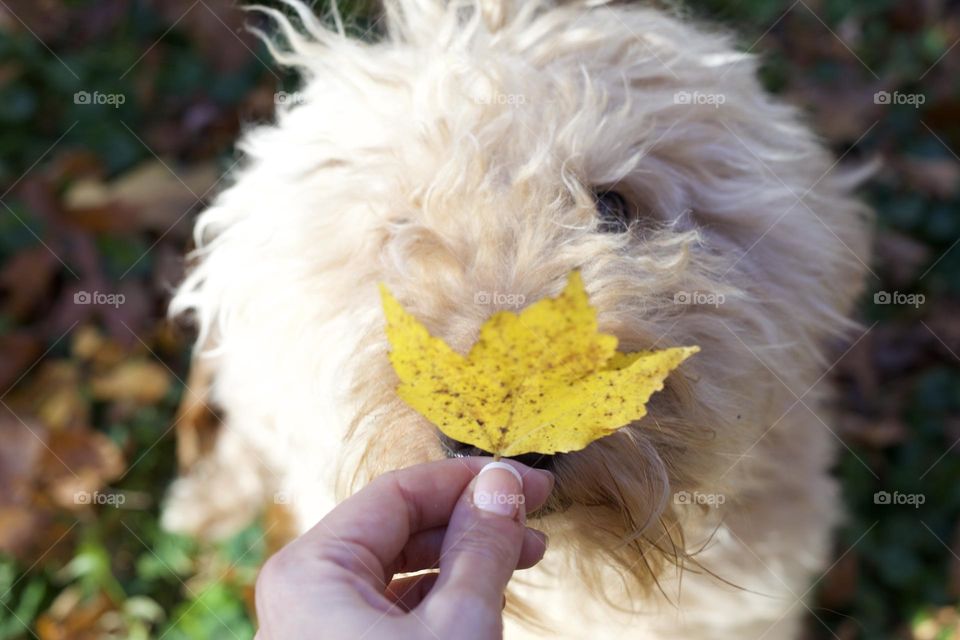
column 276, row 571
column 388, row 479
column 489, row 542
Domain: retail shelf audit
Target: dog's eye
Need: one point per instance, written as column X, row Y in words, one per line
column 614, row 212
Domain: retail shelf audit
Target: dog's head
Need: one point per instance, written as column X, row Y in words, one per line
column 470, row 160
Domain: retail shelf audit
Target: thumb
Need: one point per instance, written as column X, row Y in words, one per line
column 480, row 552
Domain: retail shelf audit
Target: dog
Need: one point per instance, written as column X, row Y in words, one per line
column 469, row 160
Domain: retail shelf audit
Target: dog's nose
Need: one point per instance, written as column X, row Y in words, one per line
column 456, row 449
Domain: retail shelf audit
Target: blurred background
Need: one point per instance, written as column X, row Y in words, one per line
column 117, row 119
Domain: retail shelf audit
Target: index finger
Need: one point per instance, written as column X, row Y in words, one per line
column 366, row 532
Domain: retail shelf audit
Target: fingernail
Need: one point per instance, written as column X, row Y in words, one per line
column 498, row 489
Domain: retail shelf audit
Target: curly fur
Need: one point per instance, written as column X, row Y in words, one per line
column 460, row 154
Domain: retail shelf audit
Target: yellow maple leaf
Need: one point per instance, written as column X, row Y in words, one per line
column 544, row 380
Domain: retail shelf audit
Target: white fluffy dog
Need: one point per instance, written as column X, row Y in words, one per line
column 470, row 160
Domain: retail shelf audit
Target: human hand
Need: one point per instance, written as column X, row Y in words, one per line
column 464, row 516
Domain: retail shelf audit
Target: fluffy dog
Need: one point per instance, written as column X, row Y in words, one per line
column 470, row 160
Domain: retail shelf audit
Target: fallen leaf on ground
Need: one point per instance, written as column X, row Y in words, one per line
column 140, row 381
column 72, row 616
column 149, row 196
column 53, row 394
column 79, row 461
column 23, row 442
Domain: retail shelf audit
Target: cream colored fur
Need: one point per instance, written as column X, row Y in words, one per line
column 460, row 155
